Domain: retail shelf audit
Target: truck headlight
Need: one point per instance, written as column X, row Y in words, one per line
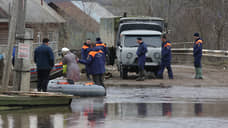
column 157, row 55
column 129, row 55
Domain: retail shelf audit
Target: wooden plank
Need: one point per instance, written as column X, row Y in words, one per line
column 34, row 99
column 35, row 110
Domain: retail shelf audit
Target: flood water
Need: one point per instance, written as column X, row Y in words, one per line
column 174, row 107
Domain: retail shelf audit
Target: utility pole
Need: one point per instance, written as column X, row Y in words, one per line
column 169, row 11
column 11, row 42
column 22, row 66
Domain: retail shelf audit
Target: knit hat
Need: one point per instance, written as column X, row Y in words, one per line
column 98, row 39
column 196, row 34
column 139, row 38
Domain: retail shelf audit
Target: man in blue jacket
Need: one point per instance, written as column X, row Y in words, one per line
column 101, row 45
column 197, row 52
column 44, row 59
column 166, row 58
column 84, row 53
column 96, row 64
column 141, row 53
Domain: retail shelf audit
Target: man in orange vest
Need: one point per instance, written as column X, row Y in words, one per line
column 166, row 58
column 197, row 53
column 101, row 46
column 86, row 48
column 96, row 64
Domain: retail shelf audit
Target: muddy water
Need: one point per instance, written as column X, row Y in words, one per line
column 174, row 107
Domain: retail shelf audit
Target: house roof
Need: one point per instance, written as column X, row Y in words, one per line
column 93, row 9
column 73, row 13
column 49, row 1
column 36, row 13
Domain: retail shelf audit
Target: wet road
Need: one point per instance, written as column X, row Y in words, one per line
column 174, row 107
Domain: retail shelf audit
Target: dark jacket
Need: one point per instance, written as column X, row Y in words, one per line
column 141, row 53
column 43, row 57
column 95, row 62
column 197, row 52
column 166, row 53
column 85, row 50
column 14, row 54
column 102, row 47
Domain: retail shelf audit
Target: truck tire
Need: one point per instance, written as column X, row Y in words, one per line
column 123, row 72
column 156, row 70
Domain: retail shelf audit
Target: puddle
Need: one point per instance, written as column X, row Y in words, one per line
column 174, row 107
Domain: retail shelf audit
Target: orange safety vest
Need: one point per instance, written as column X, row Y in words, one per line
column 167, row 44
column 85, row 47
column 101, row 45
column 93, row 53
column 199, row 41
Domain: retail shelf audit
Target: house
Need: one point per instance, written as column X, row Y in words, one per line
column 82, row 20
column 41, row 20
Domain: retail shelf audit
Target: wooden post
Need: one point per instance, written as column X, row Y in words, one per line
column 11, row 42
column 22, row 66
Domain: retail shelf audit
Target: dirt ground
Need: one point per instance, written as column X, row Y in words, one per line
column 183, row 76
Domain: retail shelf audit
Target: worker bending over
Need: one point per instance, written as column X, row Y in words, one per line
column 96, row 64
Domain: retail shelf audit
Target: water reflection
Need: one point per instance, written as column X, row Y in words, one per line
column 166, row 109
column 91, row 111
column 142, row 109
column 33, row 121
column 96, row 113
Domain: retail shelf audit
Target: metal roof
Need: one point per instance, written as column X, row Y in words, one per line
column 141, row 32
column 141, row 19
column 36, row 13
column 49, row 1
column 93, row 9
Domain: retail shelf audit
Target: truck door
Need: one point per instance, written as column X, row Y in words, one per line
column 119, row 50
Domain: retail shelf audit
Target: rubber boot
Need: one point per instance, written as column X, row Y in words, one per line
column 88, row 76
column 141, row 76
column 200, row 73
column 197, row 73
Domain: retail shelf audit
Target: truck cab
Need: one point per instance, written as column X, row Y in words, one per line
column 120, row 34
column 150, row 30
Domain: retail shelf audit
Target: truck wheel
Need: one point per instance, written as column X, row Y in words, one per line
column 156, row 71
column 123, row 73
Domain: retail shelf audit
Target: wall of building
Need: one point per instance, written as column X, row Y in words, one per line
column 78, row 26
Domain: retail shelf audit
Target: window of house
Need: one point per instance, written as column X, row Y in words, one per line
column 51, row 36
column 39, row 37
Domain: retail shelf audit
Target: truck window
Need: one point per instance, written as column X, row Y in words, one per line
column 150, row 40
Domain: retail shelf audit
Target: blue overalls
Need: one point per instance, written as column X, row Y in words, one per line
column 85, row 50
column 166, row 60
column 102, row 47
column 96, row 65
column 197, row 53
column 84, row 53
column 141, row 53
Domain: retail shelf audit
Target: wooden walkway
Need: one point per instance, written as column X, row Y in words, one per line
column 27, row 99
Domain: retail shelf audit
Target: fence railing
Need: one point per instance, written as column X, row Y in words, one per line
column 182, row 44
column 206, row 52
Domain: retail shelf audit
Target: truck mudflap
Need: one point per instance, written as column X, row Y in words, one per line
column 77, row 89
